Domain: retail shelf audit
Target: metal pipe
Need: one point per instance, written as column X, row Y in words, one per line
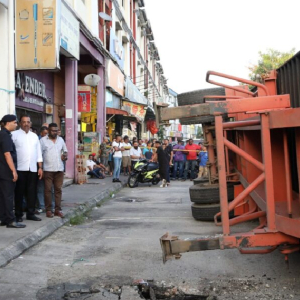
column 258, row 251
column 287, row 174
column 244, row 154
column 226, row 155
column 251, row 187
column 248, row 217
column 222, row 175
column 250, row 82
column 267, row 160
column 241, row 124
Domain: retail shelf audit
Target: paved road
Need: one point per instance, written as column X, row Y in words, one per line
column 119, row 243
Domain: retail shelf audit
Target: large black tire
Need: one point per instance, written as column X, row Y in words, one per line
column 200, row 180
column 196, row 97
column 206, row 212
column 205, row 193
column 133, row 180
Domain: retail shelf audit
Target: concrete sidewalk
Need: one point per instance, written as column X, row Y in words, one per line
column 75, row 199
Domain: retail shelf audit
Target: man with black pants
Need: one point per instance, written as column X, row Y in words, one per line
column 8, row 174
column 29, row 157
column 169, row 153
column 162, row 159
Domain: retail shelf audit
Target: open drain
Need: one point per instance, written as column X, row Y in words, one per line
column 153, row 292
column 92, row 291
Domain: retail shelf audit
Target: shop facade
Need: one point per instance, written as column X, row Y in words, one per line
column 34, row 96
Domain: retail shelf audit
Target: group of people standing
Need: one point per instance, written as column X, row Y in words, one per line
column 123, row 153
column 30, row 162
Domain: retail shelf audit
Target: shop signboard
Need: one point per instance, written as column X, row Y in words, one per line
column 69, row 36
column 34, row 90
column 84, row 98
column 116, row 49
column 37, row 34
column 133, row 94
column 134, row 109
column 115, row 78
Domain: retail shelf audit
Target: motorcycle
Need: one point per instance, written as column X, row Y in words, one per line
column 143, row 172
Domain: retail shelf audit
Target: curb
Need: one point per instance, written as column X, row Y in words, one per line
column 17, row 248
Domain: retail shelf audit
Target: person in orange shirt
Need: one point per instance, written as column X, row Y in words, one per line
column 192, row 150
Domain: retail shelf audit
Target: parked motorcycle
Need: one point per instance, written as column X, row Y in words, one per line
column 143, row 172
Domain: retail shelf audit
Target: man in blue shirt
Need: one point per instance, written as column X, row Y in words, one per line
column 203, row 157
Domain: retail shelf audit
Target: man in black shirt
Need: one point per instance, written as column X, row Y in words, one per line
column 8, row 174
column 161, row 157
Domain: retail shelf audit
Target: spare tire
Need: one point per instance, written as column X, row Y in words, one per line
column 196, row 97
column 205, row 193
column 200, row 180
column 206, row 212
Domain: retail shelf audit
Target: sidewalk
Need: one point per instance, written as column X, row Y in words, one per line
column 75, row 199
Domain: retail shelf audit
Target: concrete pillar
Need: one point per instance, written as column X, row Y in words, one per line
column 71, row 83
column 101, row 107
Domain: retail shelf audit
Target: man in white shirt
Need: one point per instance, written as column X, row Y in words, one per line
column 126, row 160
column 94, row 169
column 135, row 153
column 29, row 168
column 117, row 157
column 54, row 153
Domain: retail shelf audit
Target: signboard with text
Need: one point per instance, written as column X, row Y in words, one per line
column 134, row 109
column 37, row 34
column 84, row 98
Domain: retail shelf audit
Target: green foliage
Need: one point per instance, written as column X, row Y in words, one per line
column 161, row 133
column 199, row 132
column 268, row 61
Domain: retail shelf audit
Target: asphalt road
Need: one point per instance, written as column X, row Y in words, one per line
column 119, row 243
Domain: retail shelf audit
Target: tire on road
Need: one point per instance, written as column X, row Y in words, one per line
column 205, row 193
column 206, row 212
column 133, row 180
column 196, row 97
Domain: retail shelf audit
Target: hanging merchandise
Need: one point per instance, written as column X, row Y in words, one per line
column 151, row 126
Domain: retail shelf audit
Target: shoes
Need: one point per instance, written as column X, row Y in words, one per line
column 40, row 210
column 19, row 220
column 15, row 225
column 36, row 212
column 183, row 179
column 59, row 214
column 116, row 180
column 3, row 223
column 49, row 214
column 164, row 183
column 33, row 218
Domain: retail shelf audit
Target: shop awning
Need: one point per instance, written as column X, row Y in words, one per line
column 115, row 111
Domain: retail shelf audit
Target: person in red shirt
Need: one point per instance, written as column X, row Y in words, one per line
column 192, row 150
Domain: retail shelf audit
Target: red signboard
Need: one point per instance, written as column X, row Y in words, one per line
column 84, row 99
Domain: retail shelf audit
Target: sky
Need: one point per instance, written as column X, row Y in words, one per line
column 194, row 36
